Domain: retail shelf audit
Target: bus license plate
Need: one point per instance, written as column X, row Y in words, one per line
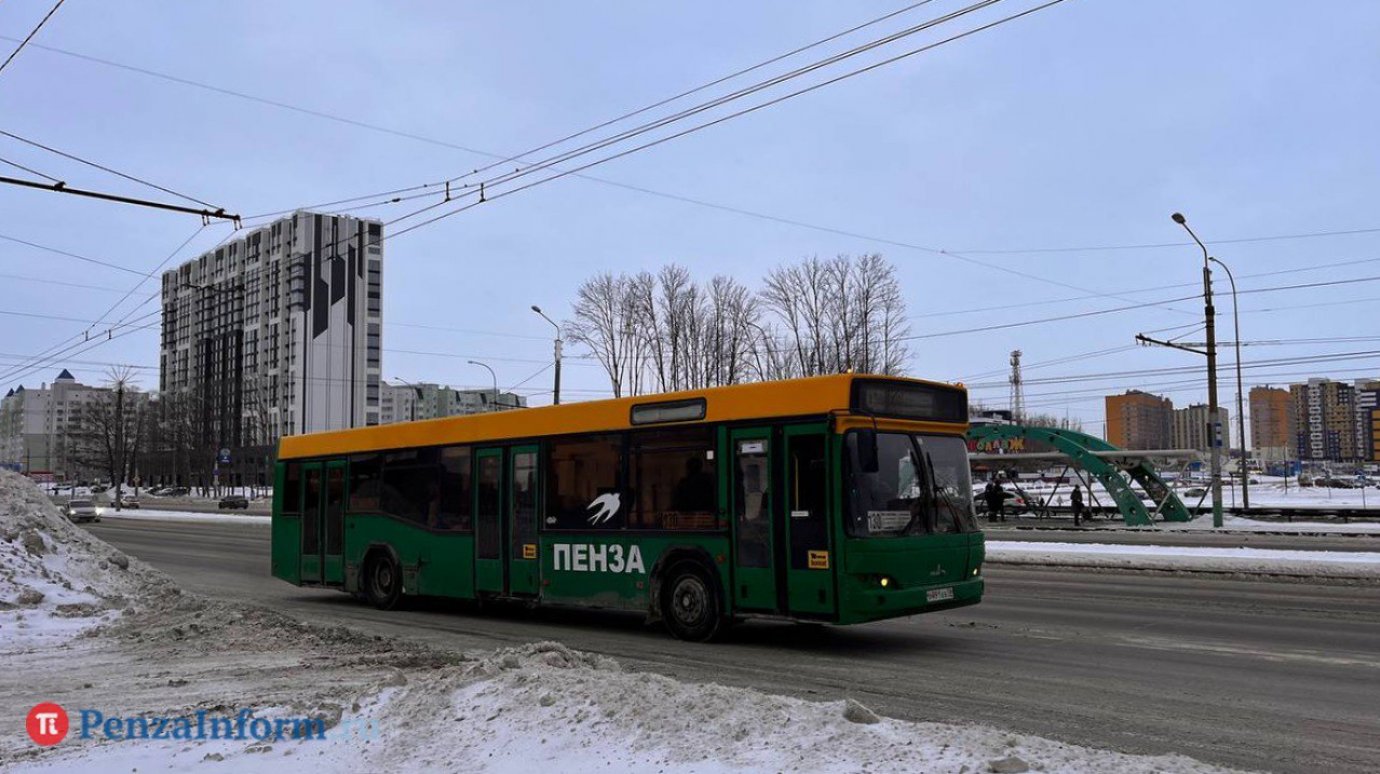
column 939, row 595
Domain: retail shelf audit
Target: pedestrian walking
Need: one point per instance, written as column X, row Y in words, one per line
column 1076, row 500
column 996, row 501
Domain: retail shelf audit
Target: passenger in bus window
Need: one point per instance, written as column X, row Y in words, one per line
column 695, row 491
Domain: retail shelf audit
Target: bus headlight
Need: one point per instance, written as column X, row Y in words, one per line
column 975, row 571
column 885, row 582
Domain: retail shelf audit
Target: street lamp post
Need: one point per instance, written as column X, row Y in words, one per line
column 1214, row 424
column 556, row 394
column 492, row 375
column 1240, row 411
column 418, row 391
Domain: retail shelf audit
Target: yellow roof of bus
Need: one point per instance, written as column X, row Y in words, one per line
column 817, row 395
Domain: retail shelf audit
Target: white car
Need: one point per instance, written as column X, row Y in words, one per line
column 82, row 510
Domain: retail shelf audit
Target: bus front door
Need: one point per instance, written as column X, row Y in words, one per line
column 488, row 522
column 523, row 492
column 750, row 482
column 312, row 475
column 810, row 563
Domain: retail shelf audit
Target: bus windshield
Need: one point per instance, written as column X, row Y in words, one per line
column 921, row 487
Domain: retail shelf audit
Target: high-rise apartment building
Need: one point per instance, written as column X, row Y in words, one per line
column 1367, row 412
column 406, row 402
column 1191, row 431
column 1139, row 420
column 1272, row 424
column 1325, row 415
column 278, row 332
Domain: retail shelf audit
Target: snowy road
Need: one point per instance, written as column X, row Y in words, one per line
column 1263, row 675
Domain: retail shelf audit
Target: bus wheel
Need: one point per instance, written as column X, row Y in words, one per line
column 382, row 582
column 690, row 604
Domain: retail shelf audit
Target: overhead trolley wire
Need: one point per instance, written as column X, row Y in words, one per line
column 31, row 35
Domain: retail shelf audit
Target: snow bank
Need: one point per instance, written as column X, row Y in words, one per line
column 1363, row 565
column 545, row 706
column 56, row 579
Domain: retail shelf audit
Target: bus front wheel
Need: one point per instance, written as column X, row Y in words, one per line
column 690, row 604
column 382, row 582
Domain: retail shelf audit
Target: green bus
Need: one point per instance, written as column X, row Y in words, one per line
column 835, row 499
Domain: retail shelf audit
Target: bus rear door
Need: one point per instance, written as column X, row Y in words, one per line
column 488, row 521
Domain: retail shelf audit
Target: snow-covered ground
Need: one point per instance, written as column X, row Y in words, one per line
column 1271, row 492
column 1358, row 565
column 148, row 514
column 1232, row 523
column 146, row 650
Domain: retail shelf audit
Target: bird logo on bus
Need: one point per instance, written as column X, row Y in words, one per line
column 607, row 505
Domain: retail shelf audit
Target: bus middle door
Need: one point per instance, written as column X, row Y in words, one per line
column 752, row 495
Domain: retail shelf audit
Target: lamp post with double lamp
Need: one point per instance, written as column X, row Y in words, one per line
column 415, row 389
column 1240, row 411
column 492, row 376
column 1214, row 423
column 556, row 393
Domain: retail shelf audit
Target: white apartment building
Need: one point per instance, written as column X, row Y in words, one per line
column 405, row 402
column 39, row 426
column 278, row 332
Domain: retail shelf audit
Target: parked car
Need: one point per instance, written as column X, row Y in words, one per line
column 176, row 491
column 129, row 502
column 82, row 510
column 234, row 501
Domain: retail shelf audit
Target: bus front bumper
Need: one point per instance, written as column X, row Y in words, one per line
column 874, row 603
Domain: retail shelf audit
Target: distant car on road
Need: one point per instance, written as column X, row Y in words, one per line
column 234, row 501
column 82, row 510
column 128, row 502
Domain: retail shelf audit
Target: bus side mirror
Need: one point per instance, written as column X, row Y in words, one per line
column 867, row 451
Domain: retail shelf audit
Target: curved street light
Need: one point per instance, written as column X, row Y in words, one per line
column 556, row 392
column 492, row 375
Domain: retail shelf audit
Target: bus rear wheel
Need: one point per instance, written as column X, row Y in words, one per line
column 690, row 604
column 382, row 582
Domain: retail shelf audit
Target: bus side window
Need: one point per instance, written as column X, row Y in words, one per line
column 457, row 500
column 672, row 472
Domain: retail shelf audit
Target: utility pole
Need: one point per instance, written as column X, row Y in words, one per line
column 1017, row 388
column 556, row 395
column 1214, row 423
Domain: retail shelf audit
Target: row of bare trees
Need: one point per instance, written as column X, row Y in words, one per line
column 663, row 331
column 126, row 435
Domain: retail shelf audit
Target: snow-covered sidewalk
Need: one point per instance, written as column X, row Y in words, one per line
column 143, row 651
column 1360, row 565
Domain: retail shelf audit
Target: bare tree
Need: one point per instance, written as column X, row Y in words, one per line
column 111, row 427
column 665, row 332
column 605, row 322
column 840, row 315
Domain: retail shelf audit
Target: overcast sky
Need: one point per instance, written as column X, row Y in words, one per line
column 1084, row 125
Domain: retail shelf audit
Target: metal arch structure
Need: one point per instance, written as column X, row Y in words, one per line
column 1114, row 468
